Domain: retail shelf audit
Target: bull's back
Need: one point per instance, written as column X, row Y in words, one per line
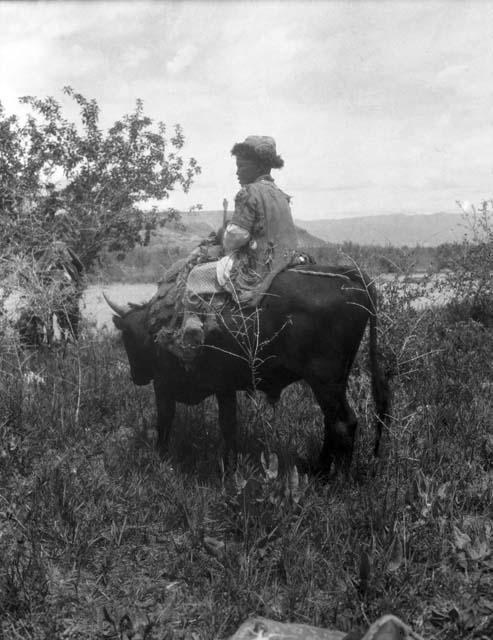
column 318, row 315
column 321, row 290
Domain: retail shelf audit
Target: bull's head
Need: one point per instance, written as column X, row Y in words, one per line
column 131, row 321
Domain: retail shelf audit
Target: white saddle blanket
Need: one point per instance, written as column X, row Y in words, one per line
column 202, row 279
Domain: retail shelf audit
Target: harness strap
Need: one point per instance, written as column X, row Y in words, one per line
column 320, row 273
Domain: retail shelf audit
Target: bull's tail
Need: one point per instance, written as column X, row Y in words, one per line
column 379, row 381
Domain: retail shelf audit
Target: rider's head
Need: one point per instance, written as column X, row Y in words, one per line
column 255, row 157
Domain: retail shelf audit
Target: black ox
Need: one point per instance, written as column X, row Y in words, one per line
column 308, row 327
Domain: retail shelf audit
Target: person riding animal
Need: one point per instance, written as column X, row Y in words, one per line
column 257, row 243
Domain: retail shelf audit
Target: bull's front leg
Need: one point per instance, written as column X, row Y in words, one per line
column 226, row 401
column 165, row 404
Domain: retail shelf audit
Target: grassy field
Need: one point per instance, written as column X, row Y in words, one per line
column 99, row 538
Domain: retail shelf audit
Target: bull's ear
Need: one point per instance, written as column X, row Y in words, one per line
column 118, row 322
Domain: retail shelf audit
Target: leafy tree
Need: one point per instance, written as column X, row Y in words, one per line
column 76, row 182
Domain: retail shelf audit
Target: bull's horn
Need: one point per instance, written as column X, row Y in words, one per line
column 119, row 310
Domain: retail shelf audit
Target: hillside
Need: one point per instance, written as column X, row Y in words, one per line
column 394, row 229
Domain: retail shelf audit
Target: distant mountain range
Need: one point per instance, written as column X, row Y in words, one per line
column 391, row 229
column 395, row 229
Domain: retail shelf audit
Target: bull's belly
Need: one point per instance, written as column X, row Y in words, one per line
column 193, row 388
column 188, row 396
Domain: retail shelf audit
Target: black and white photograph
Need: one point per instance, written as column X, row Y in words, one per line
column 246, row 320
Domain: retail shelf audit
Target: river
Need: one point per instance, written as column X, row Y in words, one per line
column 98, row 315
column 95, row 309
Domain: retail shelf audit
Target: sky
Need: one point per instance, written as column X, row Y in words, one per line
column 376, row 107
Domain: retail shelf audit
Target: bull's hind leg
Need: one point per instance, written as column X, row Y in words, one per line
column 340, row 425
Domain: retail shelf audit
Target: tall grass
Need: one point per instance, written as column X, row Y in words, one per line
column 99, row 538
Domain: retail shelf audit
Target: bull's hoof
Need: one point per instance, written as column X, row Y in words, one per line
column 228, row 464
column 161, row 450
column 335, row 465
column 325, row 470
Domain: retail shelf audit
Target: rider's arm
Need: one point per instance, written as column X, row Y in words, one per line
column 239, row 230
column 235, row 237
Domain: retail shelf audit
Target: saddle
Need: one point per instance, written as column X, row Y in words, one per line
column 166, row 308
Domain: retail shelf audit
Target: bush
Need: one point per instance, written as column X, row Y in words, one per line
column 106, row 176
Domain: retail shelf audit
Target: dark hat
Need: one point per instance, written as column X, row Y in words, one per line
column 260, row 148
